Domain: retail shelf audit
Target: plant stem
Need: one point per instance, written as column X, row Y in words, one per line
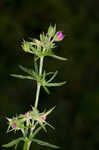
column 27, row 145
column 38, row 83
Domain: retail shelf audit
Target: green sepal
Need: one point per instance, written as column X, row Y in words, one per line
column 51, row 31
column 43, row 37
column 27, row 46
column 43, row 143
column 14, row 142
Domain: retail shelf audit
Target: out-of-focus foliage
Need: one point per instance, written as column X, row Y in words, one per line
column 77, row 104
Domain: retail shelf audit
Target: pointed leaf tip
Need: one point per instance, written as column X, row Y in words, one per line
column 14, row 142
column 43, row 143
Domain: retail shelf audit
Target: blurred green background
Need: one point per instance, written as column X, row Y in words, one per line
column 76, row 116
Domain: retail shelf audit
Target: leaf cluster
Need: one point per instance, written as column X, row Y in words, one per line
column 34, row 75
column 46, row 43
column 32, row 120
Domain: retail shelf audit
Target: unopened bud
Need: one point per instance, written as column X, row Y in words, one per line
column 59, row 36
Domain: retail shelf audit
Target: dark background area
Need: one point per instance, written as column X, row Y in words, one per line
column 76, row 116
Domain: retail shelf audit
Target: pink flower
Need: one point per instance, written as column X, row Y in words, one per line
column 14, row 125
column 59, row 36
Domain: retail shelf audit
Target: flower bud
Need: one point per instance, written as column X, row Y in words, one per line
column 26, row 46
column 59, row 36
column 38, row 43
column 51, row 31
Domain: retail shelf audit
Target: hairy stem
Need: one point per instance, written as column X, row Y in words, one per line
column 38, row 83
column 38, row 86
column 26, row 145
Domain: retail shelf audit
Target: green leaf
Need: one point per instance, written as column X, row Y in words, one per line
column 55, row 84
column 49, row 125
column 14, row 142
column 30, row 72
column 46, row 90
column 35, row 132
column 44, row 143
column 49, row 73
column 49, row 111
column 22, row 77
column 42, row 125
column 54, row 75
column 58, row 57
column 46, row 53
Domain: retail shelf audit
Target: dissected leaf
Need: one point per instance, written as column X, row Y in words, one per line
column 49, row 73
column 58, row 57
column 44, row 143
column 31, row 72
column 54, row 75
column 49, row 111
column 55, row 84
column 36, row 131
column 49, row 125
column 46, row 90
column 42, row 125
column 22, row 76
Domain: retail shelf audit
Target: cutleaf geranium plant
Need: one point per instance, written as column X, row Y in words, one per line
column 33, row 121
